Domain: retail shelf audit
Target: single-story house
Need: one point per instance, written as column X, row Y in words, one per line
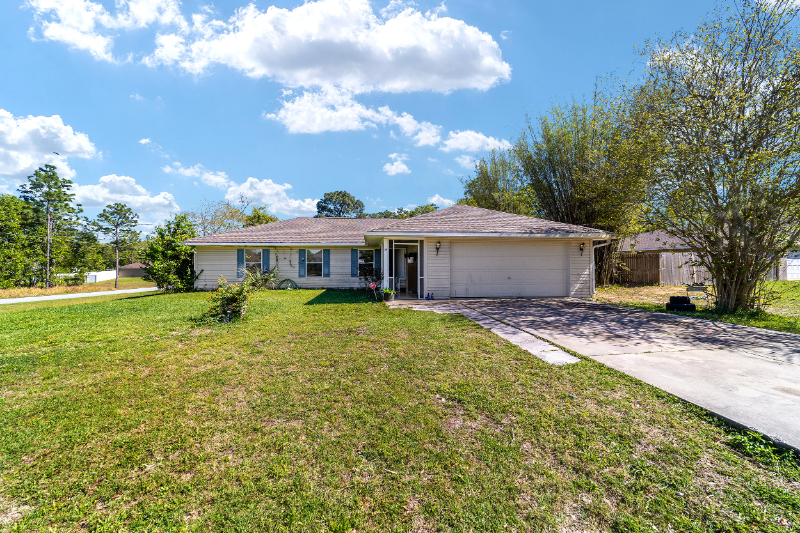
column 460, row 251
column 656, row 258
column 133, row 270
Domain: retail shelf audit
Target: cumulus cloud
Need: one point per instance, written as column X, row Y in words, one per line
column 397, row 166
column 334, row 109
column 214, row 179
column 273, row 195
column 26, row 143
column 466, row 161
column 472, row 141
column 505, row 34
column 342, row 43
column 441, row 202
column 144, row 141
column 88, row 26
column 326, row 42
column 137, row 97
column 124, row 189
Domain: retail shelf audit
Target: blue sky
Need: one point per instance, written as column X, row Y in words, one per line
column 162, row 104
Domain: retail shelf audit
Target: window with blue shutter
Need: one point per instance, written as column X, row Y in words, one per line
column 240, row 270
column 377, row 259
column 326, row 263
column 354, row 262
column 264, row 260
column 302, row 262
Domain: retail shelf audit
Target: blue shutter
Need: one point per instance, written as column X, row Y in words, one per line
column 302, row 263
column 240, row 270
column 326, row 263
column 265, row 260
column 377, row 259
column 353, row 262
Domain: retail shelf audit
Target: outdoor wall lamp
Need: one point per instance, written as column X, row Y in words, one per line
column 583, row 245
column 438, row 245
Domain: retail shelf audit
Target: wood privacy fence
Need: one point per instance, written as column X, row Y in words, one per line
column 671, row 268
column 660, row 268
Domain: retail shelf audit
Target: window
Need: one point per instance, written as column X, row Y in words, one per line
column 313, row 263
column 252, row 261
column 366, row 262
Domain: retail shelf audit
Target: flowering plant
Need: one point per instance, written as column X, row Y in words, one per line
column 228, row 302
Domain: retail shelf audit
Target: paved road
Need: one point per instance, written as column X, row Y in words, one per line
column 748, row 375
column 75, row 295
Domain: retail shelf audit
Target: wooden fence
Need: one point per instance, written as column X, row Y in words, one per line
column 671, row 268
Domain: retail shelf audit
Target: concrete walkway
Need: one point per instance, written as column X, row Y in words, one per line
column 750, row 376
column 74, row 295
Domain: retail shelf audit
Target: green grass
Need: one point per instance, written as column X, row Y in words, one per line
column 783, row 313
column 320, row 412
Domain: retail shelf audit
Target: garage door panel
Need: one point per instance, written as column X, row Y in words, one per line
column 508, row 270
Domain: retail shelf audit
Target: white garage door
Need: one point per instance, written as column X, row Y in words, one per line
column 508, row 270
column 793, row 266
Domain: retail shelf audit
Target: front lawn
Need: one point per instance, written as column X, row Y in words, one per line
column 320, row 412
column 782, row 314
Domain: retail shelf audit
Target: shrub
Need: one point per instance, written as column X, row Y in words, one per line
column 228, row 302
column 263, row 280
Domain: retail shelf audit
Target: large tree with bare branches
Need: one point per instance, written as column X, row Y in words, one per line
column 724, row 101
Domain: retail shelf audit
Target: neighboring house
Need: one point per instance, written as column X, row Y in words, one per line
column 133, row 270
column 655, row 258
column 460, row 251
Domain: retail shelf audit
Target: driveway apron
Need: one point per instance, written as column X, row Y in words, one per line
column 748, row 375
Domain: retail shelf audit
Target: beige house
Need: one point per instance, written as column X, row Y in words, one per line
column 457, row 252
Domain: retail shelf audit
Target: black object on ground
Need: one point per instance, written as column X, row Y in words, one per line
column 679, row 300
column 681, row 307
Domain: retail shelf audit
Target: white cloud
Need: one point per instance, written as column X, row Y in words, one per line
column 441, row 202
column 433, row 160
column 332, row 109
column 472, row 141
column 397, row 167
column 124, row 189
column 505, row 34
column 26, row 143
column 214, row 179
column 137, row 97
column 342, row 43
column 88, row 26
column 144, row 141
column 466, row 161
column 273, row 195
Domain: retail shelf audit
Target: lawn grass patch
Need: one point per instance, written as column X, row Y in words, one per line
column 320, row 411
column 783, row 314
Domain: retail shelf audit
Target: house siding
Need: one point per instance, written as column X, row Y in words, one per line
column 437, row 269
column 580, row 269
column 216, row 261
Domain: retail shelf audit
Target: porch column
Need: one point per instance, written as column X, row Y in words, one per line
column 385, row 263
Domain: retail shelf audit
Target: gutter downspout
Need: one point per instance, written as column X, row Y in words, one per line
column 594, row 273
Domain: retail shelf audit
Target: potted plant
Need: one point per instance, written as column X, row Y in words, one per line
column 388, row 295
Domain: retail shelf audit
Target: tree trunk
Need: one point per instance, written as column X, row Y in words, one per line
column 116, row 250
column 47, row 262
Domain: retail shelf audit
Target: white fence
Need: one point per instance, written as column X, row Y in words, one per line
column 103, row 275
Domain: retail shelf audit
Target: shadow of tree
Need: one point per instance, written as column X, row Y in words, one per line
column 341, row 296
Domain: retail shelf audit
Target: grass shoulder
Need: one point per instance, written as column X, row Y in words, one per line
column 108, row 285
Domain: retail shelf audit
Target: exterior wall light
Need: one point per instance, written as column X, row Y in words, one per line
column 438, row 245
column 583, row 245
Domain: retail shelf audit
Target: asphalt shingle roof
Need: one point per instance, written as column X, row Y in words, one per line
column 468, row 219
column 652, row 241
column 296, row 230
column 455, row 219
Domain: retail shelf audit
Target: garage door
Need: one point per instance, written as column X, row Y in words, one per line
column 793, row 266
column 508, row 270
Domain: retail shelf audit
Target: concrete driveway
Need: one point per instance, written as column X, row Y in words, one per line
column 748, row 375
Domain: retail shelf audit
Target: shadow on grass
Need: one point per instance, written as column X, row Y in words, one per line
column 340, row 296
